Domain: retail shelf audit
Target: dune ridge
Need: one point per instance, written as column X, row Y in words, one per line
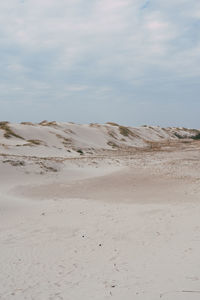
column 69, row 139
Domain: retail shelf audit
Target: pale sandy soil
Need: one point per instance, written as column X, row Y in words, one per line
column 122, row 227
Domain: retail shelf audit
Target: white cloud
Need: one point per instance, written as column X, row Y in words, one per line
column 110, row 30
column 96, row 45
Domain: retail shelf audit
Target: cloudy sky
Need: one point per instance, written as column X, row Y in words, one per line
column 130, row 61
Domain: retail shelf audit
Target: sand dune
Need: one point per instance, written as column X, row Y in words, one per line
column 99, row 212
column 65, row 139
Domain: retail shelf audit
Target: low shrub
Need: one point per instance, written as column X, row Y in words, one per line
column 196, row 137
column 80, row 151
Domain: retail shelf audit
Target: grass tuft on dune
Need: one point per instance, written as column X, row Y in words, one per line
column 8, row 132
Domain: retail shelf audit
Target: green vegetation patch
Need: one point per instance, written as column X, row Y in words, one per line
column 80, row 151
column 196, row 137
column 179, row 136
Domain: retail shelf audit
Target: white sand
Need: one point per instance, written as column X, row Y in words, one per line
column 117, row 227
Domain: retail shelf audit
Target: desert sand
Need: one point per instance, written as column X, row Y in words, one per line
column 99, row 212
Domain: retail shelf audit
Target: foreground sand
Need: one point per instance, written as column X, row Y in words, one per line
column 127, row 228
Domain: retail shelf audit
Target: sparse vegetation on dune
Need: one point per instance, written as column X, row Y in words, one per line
column 4, row 123
column 15, row 163
column 112, row 134
column 79, row 138
column 112, row 144
column 80, row 151
column 27, row 123
column 196, row 137
column 8, row 132
column 179, row 136
column 96, row 125
column 69, row 131
column 35, row 142
column 125, row 131
column 112, row 123
column 46, row 168
column 47, row 123
column 66, row 141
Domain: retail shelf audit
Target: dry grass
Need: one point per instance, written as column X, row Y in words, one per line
column 112, row 123
column 69, row 131
column 125, row 131
column 8, row 132
column 112, row 144
column 28, row 123
column 35, row 142
column 15, row 163
column 46, row 168
column 47, row 123
column 112, row 134
column 66, row 142
column 96, row 125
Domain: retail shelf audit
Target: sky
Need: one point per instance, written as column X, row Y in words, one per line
column 133, row 62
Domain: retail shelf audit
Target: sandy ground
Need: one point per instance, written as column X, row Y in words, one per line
column 125, row 229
